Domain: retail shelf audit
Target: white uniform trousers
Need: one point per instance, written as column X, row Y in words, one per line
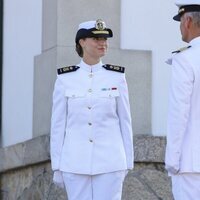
column 186, row 186
column 106, row 186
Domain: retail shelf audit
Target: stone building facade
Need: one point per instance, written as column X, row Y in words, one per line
column 27, row 174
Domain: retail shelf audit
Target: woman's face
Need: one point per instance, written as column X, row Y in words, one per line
column 94, row 48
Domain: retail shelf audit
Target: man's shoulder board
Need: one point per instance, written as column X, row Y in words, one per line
column 114, row 68
column 181, row 49
column 67, row 69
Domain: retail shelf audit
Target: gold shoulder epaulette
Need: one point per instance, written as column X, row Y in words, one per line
column 181, row 49
column 114, row 68
column 67, row 69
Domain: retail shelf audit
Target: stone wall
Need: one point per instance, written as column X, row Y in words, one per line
column 25, row 172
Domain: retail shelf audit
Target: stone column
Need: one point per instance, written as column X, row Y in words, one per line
column 60, row 23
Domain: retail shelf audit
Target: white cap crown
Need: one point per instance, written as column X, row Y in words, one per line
column 187, row 2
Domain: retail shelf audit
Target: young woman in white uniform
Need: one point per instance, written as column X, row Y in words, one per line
column 91, row 132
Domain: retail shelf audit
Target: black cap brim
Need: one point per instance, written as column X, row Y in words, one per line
column 89, row 33
column 186, row 8
column 177, row 18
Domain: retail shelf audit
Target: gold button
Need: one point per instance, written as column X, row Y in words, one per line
column 91, row 140
column 91, row 75
column 90, row 124
column 90, row 90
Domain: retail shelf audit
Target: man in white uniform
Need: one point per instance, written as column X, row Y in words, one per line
column 182, row 158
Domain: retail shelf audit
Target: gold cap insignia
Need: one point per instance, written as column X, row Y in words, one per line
column 181, row 10
column 100, row 25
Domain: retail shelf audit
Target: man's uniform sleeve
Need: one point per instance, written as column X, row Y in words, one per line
column 179, row 109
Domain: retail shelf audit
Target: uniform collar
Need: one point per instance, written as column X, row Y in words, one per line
column 90, row 68
column 195, row 41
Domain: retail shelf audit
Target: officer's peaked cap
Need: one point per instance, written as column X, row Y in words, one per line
column 93, row 29
column 186, row 6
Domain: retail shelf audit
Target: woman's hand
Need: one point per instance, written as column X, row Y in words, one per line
column 58, row 179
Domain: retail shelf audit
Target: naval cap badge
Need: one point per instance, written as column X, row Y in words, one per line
column 100, row 24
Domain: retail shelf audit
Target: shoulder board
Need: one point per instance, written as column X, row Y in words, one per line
column 67, row 69
column 181, row 49
column 114, row 68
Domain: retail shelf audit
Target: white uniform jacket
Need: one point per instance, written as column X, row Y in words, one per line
column 91, row 130
column 183, row 137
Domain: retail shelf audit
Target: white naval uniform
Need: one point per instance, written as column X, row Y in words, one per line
column 182, row 158
column 91, row 130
